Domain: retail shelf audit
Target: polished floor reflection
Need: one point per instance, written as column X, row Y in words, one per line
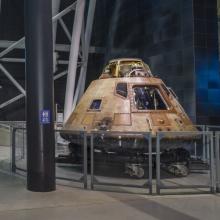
column 71, row 203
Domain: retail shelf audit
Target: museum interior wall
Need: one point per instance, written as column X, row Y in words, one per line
column 206, row 62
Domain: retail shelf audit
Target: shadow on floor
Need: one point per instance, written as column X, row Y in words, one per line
column 153, row 208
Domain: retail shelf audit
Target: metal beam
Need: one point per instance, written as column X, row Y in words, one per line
column 82, row 79
column 65, row 11
column 7, row 43
column 12, row 60
column 61, row 47
column 16, row 98
column 22, row 60
column 58, row 47
column 63, row 62
column 59, row 75
column 55, row 10
column 12, row 47
column 12, row 79
column 88, row 34
column 54, row 19
column 63, row 25
column 74, row 53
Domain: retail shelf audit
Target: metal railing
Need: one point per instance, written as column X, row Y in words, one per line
column 95, row 180
column 16, row 124
column 75, row 175
column 216, row 135
column 206, row 163
column 19, row 156
column 207, row 150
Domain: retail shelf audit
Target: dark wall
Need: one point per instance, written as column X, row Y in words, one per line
column 167, row 42
column 11, row 20
column 206, row 62
column 160, row 32
column 178, row 39
column 11, row 29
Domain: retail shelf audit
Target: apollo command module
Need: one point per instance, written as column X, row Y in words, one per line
column 128, row 98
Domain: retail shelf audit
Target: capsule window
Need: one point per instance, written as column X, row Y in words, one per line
column 148, row 98
column 122, row 90
column 96, row 104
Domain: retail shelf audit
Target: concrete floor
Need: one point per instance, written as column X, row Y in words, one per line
column 71, row 203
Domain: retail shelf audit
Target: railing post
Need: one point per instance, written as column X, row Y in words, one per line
column 213, row 186
column 204, row 157
column 217, row 139
column 85, row 159
column 158, row 163
column 92, row 160
column 23, row 141
column 150, row 162
column 13, row 150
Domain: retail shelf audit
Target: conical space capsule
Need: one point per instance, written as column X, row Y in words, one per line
column 128, row 98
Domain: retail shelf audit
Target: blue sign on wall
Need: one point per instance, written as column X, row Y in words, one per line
column 45, row 116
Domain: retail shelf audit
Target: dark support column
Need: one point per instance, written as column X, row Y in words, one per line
column 39, row 101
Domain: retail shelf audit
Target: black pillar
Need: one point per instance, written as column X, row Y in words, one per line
column 39, row 101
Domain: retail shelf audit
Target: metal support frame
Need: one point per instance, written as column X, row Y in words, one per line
column 87, row 38
column 63, row 25
column 20, row 44
column 209, row 138
column 72, row 94
column 55, row 10
column 76, row 51
column 59, row 47
column 59, row 75
column 12, row 79
column 73, row 59
column 22, row 60
column 94, row 181
column 10, row 101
